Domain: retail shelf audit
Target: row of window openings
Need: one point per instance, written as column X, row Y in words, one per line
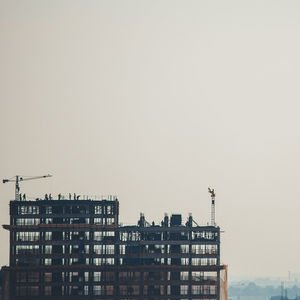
column 64, row 290
column 75, row 209
column 161, row 236
column 37, row 221
column 109, row 249
column 123, row 290
column 49, row 249
column 63, row 262
column 101, row 236
column 111, row 261
column 124, row 236
column 155, row 290
column 172, row 249
column 160, row 290
column 32, row 236
column 110, row 276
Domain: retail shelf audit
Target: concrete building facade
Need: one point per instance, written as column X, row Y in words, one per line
column 77, row 249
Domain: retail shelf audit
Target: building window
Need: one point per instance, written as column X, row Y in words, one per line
column 123, row 289
column 48, row 210
column 108, row 276
column 33, row 291
column 48, row 290
column 48, row 236
column 196, row 289
column 27, row 249
column 98, row 210
column 98, row 235
column 184, row 248
column 21, row 291
column 97, row 289
column 97, row 261
column 110, row 221
column 99, row 249
column 184, row 289
column 86, row 290
column 26, row 236
column 27, row 221
column 48, row 249
column 33, row 277
column 122, row 249
column 98, row 221
column 184, row 275
column 109, row 261
column 21, row 277
column 109, row 290
column 48, row 277
column 97, row 276
column 28, row 210
column 103, row 261
column 74, row 261
column 47, row 261
column 104, row 235
column 109, row 249
column 212, row 261
column 48, row 221
column 213, row 290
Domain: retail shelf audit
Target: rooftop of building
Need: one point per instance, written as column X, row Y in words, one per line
column 67, row 197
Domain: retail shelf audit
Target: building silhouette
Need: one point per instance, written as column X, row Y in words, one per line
column 76, row 249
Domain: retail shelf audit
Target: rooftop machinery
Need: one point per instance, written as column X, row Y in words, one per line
column 17, row 180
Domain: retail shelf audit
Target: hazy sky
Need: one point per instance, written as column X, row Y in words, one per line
column 154, row 101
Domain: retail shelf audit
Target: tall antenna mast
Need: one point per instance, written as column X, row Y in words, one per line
column 213, row 208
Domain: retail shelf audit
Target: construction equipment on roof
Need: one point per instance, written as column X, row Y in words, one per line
column 17, row 180
column 213, row 209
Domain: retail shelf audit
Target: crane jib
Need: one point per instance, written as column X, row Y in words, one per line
column 18, row 179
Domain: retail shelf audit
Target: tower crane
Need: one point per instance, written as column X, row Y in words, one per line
column 213, row 210
column 17, row 180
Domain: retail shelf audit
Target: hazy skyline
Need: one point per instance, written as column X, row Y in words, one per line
column 153, row 101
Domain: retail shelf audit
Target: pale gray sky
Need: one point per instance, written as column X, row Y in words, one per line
column 154, row 101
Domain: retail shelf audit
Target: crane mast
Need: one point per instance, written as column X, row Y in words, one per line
column 213, row 208
column 17, row 180
column 17, row 188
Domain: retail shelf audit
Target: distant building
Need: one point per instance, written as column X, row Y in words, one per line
column 284, row 298
column 76, row 249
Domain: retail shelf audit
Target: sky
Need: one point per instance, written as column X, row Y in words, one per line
column 154, row 101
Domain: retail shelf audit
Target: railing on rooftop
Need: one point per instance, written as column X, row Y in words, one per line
column 72, row 197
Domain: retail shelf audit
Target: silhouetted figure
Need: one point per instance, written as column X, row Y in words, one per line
column 50, row 197
column 59, row 196
column 46, row 197
column 24, row 197
column 70, row 196
column 74, row 196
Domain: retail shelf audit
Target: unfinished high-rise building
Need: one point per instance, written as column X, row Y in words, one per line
column 76, row 249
